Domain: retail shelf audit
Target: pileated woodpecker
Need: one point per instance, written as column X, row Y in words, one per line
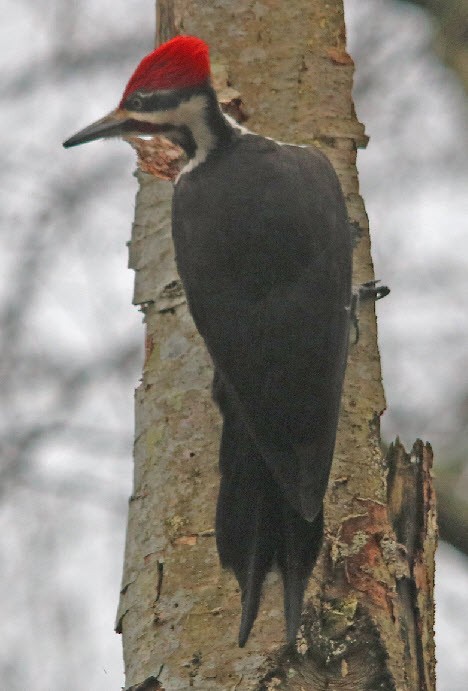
column 263, row 248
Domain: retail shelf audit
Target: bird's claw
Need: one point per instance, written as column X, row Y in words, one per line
column 366, row 291
column 372, row 291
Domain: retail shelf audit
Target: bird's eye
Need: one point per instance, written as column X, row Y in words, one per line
column 136, row 103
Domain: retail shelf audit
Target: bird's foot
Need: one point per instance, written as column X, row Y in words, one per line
column 362, row 293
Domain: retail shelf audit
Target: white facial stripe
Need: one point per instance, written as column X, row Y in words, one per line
column 180, row 115
column 187, row 114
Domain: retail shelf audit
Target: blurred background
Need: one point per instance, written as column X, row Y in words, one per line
column 71, row 341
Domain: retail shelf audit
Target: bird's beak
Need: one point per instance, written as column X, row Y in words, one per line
column 115, row 124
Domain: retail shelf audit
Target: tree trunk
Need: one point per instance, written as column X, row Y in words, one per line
column 368, row 623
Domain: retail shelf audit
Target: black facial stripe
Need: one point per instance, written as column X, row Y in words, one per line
column 149, row 101
column 182, row 136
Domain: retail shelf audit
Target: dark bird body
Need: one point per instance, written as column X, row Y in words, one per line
column 264, row 251
column 263, row 248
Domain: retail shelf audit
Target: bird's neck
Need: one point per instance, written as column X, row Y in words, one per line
column 202, row 128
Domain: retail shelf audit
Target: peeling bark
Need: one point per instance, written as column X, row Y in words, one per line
column 367, row 623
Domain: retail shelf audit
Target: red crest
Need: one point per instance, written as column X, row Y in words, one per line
column 181, row 62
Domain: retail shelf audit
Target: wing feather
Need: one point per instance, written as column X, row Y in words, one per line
column 269, row 291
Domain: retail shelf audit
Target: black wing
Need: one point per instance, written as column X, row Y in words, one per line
column 263, row 248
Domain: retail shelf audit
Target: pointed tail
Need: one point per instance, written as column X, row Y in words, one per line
column 256, row 526
column 246, row 522
column 298, row 549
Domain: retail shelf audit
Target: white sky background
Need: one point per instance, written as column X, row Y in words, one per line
column 66, row 460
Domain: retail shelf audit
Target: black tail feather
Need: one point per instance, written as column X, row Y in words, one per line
column 255, row 526
column 251, row 575
column 298, row 550
column 246, row 533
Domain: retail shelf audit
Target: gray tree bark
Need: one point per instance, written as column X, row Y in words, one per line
column 368, row 622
